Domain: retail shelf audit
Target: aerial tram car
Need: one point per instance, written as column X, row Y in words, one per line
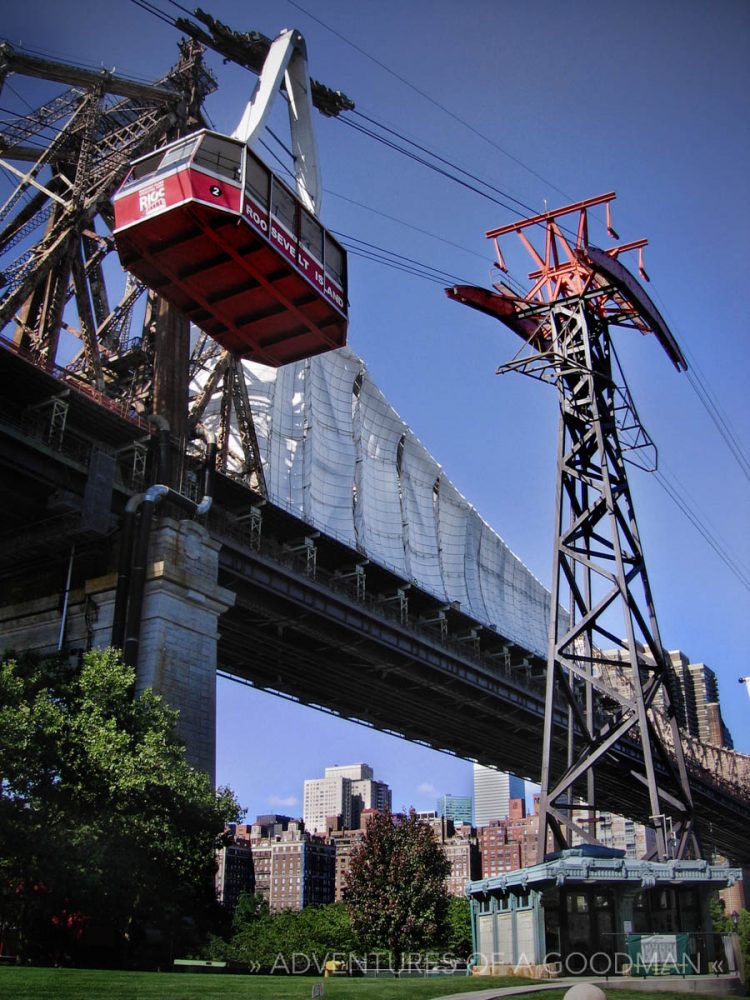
column 203, row 222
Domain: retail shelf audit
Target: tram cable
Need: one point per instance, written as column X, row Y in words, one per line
column 709, row 400
column 454, row 166
column 702, row 529
column 705, row 394
column 153, row 9
column 408, row 225
column 431, row 100
column 425, row 271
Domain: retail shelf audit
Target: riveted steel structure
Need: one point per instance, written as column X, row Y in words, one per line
column 601, row 597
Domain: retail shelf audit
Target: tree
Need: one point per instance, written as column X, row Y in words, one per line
column 458, row 940
column 722, row 924
column 102, row 820
column 250, row 907
column 744, row 932
column 395, row 889
column 298, row 941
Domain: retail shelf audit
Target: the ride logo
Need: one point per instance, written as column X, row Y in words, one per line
column 152, row 198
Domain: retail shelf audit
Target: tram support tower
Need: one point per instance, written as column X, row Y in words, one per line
column 607, row 669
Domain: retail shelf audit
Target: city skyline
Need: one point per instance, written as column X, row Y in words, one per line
column 416, row 780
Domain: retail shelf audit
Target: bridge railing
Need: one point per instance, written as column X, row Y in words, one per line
column 528, row 673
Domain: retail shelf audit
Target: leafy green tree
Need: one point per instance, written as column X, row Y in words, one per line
column 395, row 889
column 250, row 907
column 298, row 941
column 102, row 820
column 743, row 929
column 458, row 928
column 721, row 922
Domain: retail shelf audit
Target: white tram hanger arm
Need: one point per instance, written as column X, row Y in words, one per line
column 287, row 60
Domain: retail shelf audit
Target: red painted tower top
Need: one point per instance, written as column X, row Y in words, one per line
column 566, row 266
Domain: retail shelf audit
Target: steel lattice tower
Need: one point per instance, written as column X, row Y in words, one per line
column 607, row 671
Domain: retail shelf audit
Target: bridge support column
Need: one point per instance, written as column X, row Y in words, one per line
column 179, row 631
column 179, row 628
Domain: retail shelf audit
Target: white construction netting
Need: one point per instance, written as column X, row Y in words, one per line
column 338, row 455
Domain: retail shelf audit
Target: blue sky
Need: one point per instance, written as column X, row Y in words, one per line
column 648, row 99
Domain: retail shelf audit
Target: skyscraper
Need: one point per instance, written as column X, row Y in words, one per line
column 693, row 690
column 493, row 791
column 455, row 807
column 324, row 797
column 345, row 791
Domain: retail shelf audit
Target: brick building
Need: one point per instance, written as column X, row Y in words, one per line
column 288, row 867
column 234, row 870
column 462, row 853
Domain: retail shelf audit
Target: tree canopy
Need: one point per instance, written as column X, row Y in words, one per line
column 395, row 888
column 457, row 939
column 288, row 941
column 103, row 823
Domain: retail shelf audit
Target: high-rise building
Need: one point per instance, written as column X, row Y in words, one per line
column 292, row 868
column 460, row 848
column 234, row 869
column 325, row 798
column 693, row 689
column 344, row 792
column 625, row 834
column 354, row 772
column 497, row 854
column 345, row 842
column 455, row 807
column 706, row 722
column 493, row 791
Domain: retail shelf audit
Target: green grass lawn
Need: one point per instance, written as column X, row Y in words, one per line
column 86, row 984
column 77, row 984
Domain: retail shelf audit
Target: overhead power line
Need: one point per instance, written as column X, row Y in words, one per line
column 702, row 529
column 709, row 400
column 451, row 114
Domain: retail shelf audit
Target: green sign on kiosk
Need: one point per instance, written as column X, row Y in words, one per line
column 658, row 954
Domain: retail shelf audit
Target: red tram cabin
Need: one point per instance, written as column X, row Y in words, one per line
column 205, row 224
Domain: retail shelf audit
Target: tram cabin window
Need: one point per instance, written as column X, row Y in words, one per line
column 284, row 207
column 257, row 179
column 179, row 153
column 145, row 168
column 334, row 261
column 219, row 156
column 162, row 160
column 311, row 235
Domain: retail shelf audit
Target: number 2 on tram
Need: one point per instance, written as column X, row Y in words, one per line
column 205, row 224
